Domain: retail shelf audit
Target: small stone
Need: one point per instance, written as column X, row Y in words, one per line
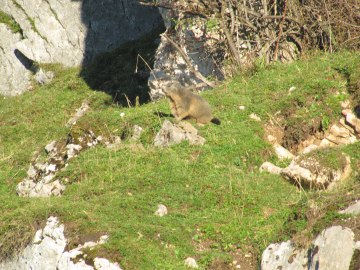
column 291, row 89
column 241, row 108
column 122, row 114
column 50, row 147
column 255, row 117
column 271, row 139
column 191, row 262
column 161, row 211
column 137, row 130
column 104, row 264
column 103, row 239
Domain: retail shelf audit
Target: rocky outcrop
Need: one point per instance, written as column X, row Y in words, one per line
column 310, row 172
column 306, row 169
column 170, row 134
column 333, row 249
column 66, row 32
column 47, row 252
column 353, row 209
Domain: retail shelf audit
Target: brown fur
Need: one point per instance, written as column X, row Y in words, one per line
column 185, row 104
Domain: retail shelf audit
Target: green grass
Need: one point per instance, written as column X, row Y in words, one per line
column 10, row 22
column 215, row 194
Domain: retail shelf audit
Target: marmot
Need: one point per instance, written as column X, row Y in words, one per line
column 185, row 104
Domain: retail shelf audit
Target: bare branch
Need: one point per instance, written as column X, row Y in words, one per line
column 188, row 62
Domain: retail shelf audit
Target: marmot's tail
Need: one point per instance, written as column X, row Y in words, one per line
column 215, row 121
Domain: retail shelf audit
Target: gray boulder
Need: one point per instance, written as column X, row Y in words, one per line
column 170, row 134
column 332, row 249
column 67, row 32
column 47, row 252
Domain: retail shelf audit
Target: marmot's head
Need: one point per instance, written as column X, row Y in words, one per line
column 171, row 87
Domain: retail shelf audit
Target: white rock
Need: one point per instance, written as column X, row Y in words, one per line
column 331, row 250
column 309, row 149
column 104, row 264
column 170, row 134
column 32, row 172
column 352, row 120
column 353, row 209
column 46, row 252
column 241, row 107
column 50, row 168
column 41, row 254
column 282, row 153
column 161, row 211
column 271, row 168
column 291, row 89
column 137, row 130
column 73, row 150
column 191, row 262
column 255, row 117
column 50, row 147
column 103, row 239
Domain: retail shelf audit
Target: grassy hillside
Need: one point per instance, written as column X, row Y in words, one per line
column 221, row 207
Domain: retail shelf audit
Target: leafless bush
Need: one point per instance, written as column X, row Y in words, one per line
column 275, row 30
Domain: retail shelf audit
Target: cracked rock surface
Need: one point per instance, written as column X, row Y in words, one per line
column 66, row 32
column 47, row 252
column 333, row 249
column 170, row 134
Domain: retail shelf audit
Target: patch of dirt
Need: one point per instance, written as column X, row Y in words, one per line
column 76, row 237
column 296, row 134
column 239, row 261
column 291, row 134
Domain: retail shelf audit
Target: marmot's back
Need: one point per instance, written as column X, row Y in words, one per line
column 185, row 104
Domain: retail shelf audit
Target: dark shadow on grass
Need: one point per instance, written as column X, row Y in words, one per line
column 118, row 31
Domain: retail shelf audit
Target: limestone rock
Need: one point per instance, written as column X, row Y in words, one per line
column 332, row 249
column 352, row 120
column 170, row 134
column 253, row 116
column 66, row 32
column 40, row 180
column 47, row 252
column 309, row 149
column 282, row 153
column 309, row 172
column 79, row 113
column 137, row 130
column 353, row 209
column 161, row 211
column 191, row 263
column 271, row 168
